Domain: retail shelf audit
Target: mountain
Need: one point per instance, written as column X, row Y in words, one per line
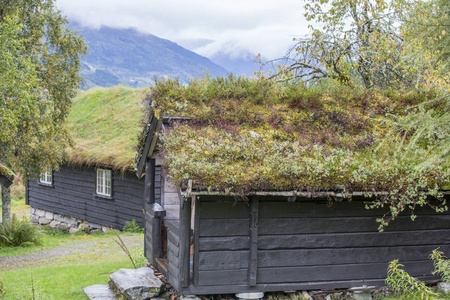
column 245, row 64
column 128, row 57
column 236, row 60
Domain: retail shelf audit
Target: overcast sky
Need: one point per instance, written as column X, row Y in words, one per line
column 232, row 26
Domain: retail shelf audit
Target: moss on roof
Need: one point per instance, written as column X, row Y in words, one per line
column 5, row 171
column 245, row 135
column 105, row 124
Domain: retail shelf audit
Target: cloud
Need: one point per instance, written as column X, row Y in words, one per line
column 231, row 27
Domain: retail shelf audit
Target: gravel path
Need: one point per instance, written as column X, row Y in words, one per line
column 46, row 257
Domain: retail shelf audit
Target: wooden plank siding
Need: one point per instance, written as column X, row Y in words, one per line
column 73, row 193
column 173, row 253
column 148, row 241
column 306, row 244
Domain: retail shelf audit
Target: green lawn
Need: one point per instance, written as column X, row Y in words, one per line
column 64, row 277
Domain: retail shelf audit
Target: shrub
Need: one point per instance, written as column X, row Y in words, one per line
column 403, row 283
column 19, row 233
column 133, row 227
column 441, row 265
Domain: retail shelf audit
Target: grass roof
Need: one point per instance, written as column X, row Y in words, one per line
column 5, row 171
column 105, row 124
column 245, row 136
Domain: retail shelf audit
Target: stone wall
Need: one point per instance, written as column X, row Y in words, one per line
column 61, row 222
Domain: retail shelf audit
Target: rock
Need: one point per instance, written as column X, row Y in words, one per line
column 135, row 283
column 39, row 212
column 70, row 221
column 58, row 217
column 32, row 211
column 54, row 224
column 94, row 226
column 189, row 297
column 34, row 219
column 73, row 230
column 84, row 227
column 362, row 295
column 106, row 229
column 444, row 287
column 62, row 226
column 43, row 221
column 305, row 295
column 250, row 296
column 49, row 215
column 99, row 292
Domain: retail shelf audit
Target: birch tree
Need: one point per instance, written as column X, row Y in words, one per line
column 39, row 62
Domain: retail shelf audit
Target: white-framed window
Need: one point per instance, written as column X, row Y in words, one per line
column 104, row 182
column 46, row 177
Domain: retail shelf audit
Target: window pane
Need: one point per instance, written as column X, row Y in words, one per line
column 46, row 177
column 104, row 182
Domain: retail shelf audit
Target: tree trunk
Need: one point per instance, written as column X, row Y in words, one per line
column 6, row 204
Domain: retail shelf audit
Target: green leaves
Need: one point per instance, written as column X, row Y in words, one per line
column 39, row 76
column 374, row 44
column 401, row 282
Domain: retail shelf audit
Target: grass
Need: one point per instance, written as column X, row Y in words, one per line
column 106, row 123
column 65, row 277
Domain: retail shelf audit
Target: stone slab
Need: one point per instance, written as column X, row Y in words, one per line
column 43, row 221
column 138, row 284
column 99, row 292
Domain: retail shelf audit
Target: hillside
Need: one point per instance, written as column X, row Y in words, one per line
column 125, row 56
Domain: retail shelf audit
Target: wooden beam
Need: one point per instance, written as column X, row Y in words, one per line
column 149, row 191
column 253, row 233
column 196, row 260
column 156, row 239
column 185, row 240
column 149, row 145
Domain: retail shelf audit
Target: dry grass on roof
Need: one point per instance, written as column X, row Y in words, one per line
column 105, row 124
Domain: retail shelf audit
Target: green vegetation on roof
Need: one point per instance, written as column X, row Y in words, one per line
column 5, row 171
column 105, row 124
column 247, row 135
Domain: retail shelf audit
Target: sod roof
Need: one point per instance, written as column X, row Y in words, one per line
column 6, row 172
column 245, row 135
column 105, row 124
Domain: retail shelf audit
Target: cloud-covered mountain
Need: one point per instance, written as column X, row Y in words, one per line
column 125, row 56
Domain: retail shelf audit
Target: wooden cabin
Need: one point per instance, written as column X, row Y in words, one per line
column 232, row 211
column 6, row 176
column 97, row 184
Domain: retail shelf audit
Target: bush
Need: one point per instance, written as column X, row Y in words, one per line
column 402, row 283
column 441, row 265
column 19, row 233
column 133, row 227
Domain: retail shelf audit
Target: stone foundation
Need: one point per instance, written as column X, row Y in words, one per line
column 62, row 222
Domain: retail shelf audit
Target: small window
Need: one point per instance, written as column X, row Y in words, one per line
column 104, row 182
column 46, row 177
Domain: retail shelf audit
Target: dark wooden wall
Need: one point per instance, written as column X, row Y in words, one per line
column 173, row 253
column 270, row 244
column 148, row 242
column 73, row 193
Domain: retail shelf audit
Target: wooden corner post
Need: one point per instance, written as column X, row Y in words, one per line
column 253, row 234
column 185, row 239
column 154, row 214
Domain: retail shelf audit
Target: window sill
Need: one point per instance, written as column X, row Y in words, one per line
column 50, row 185
column 98, row 196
